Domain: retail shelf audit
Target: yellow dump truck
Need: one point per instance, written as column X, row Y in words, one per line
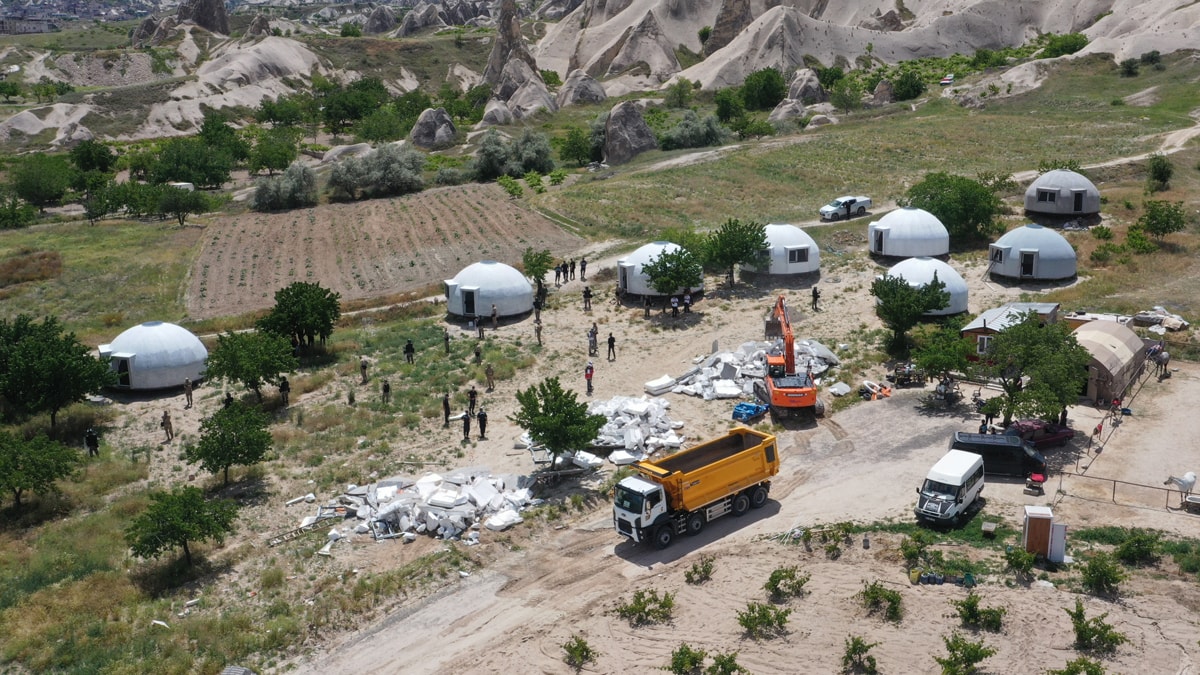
column 681, row 493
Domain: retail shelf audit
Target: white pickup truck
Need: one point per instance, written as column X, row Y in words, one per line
column 845, row 207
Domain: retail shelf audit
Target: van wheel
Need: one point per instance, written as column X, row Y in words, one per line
column 695, row 524
column 758, row 498
column 741, row 504
column 664, row 535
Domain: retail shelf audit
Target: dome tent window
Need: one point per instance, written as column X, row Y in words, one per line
column 797, row 255
column 1046, row 196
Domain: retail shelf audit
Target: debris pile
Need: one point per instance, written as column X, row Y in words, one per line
column 1159, row 320
column 640, row 426
column 733, row 374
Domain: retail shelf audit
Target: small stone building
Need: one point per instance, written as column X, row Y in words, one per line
column 1032, row 252
column 474, row 290
column 1062, row 193
column 908, row 233
column 789, row 251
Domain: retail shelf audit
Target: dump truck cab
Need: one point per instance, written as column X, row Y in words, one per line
column 637, row 505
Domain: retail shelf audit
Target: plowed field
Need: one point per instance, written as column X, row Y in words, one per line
column 362, row 250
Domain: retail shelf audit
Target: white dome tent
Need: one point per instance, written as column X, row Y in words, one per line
column 1032, row 252
column 908, row 232
column 920, row 271
column 789, row 251
column 631, row 279
column 474, row 290
column 155, row 355
column 1062, row 193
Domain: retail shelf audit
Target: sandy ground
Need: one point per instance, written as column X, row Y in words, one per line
column 860, row 465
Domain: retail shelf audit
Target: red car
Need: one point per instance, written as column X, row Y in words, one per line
column 1041, row 434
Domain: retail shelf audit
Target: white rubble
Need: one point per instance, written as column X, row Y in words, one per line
column 732, row 374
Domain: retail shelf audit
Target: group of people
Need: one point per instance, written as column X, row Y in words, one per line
column 470, row 412
column 565, row 271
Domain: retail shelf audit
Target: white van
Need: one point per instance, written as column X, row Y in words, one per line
column 951, row 488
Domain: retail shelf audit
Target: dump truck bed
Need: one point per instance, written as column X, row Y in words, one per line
column 703, row 474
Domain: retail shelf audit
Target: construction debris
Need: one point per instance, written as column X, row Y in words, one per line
column 733, row 374
column 1159, row 320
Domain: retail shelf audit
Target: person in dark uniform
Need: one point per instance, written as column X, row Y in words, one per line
column 92, row 441
column 228, row 399
column 482, row 417
column 285, row 390
column 583, row 269
column 472, row 397
column 612, row 347
column 466, row 418
column 409, row 351
column 446, row 410
column 187, row 392
column 816, row 297
column 387, row 392
column 446, row 339
column 587, row 298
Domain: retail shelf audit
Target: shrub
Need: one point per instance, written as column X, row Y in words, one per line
column 725, row 664
column 511, row 186
column 1129, row 68
column 394, row 170
column 1151, row 58
column 763, row 89
column 729, row 105
column 551, row 78
column 1137, row 241
column 876, row 598
column 1159, row 170
column 1019, row 561
column 450, row 176
column 1104, row 252
column 846, row 95
column 1080, row 666
column 1102, row 232
column 762, row 620
column 578, row 652
column 913, row 549
column 647, row 607
column 786, row 582
column 351, row 30
column 856, row 659
column 1061, row 45
column 701, row 571
column 1141, row 548
column 1101, row 575
column 704, row 33
column 908, row 86
column 557, row 176
column 678, row 94
column 534, row 180
column 531, row 151
column 962, row 655
column 1093, row 634
column 686, row 661
column 976, row 617
column 693, row 132
column 295, row 188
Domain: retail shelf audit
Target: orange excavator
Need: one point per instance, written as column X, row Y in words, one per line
column 788, row 393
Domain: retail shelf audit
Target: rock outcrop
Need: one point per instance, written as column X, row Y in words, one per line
column 513, row 76
column 495, row 113
column 166, row 27
column 381, row 20
column 806, row 86
column 884, row 93
column 787, row 109
column 530, row 98
column 735, row 15
column 553, row 10
column 819, row 121
column 140, row 37
column 580, row 88
column 259, row 27
column 434, row 129
column 626, row 134
column 208, row 14
column 509, row 45
column 421, row 17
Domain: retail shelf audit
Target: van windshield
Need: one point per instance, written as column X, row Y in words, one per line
column 628, row 500
column 933, row 488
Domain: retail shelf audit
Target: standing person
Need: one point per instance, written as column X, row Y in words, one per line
column 816, row 297
column 482, row 417
column 285, row 390
column 612, row 347
column 490, row 374
column 646, row 305
column 466, row 418
column 92, row 441
column 587, row 375
column 479, row 326
column 472, row 396
column 187, row 392
column 537, row 308
column 478, row 354
column 446, row 410
column 495, row 317
column 557, row 274
column 410, row 351
column 583, row 269
column 537, row 331
column 587, row 298
column 983, row 426
column 228, row 399
column 166, row 425
column 387, row 392
column 446, row 339
column 362, row 366
column 674, row 306
column 687, row 303
column 572, row 269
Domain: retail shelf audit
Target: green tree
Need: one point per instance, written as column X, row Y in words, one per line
column 491, row 157
column 846, row 94
column 189, row 160
column 966, row 207
column 182, row 202
column 674, row 271
column 44, row 369
column 530, row 152
column 554, row 417
column 304, row 311
column 729, row 105
column 1159, row 170
column 945, row 350
column 350, row 30
column 285, row 111
column 1129, row 68
column 217, row 134
column 235, row 435
column 900, row 306
column 33, row 465
column 736, row 243
column 275, row 150
column 1161, row 218
column 1048, row 356
column 92, row 155
column 908, row 85
column 830, row 76
column 576, row 146
column 678, row 93
column 9, row 89
column 536, row 264
column 1061, row 45
column 763, row 89
column 178, row 518
column 251, row 358
column 15, row 213
column 41, row 179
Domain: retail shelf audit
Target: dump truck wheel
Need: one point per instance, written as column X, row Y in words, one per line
column 664, row 535
column 741, row 504
column 758, row 498
column 695, row 524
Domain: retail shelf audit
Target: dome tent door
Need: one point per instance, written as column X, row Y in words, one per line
column 468, row 300
column 1028, row 263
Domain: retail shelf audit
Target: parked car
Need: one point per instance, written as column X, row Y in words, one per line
column 846, row 207
column 1039, row 433
column 947, row 80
